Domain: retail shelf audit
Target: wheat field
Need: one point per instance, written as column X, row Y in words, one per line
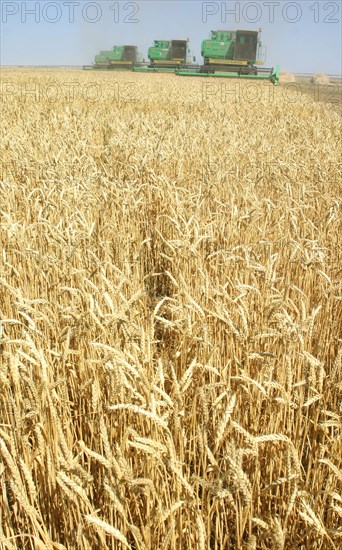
column 170, row 302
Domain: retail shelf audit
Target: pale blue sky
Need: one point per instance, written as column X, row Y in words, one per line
column 301, row 36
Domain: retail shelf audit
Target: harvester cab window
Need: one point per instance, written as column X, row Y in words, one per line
column 242, row 39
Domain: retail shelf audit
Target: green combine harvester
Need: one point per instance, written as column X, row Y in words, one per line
column 165, row 56
column 119, row 58
column 228, row 54
column 232, row 54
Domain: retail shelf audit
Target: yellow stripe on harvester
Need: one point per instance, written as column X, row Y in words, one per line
column 228, row 62
column 168, row 61
column 121, row 62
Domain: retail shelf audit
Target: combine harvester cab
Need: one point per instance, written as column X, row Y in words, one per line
column 233, row 54
column 118, row 58
column 165, row 56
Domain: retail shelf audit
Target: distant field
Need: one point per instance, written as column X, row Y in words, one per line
column 170, row 313
column 331, row 93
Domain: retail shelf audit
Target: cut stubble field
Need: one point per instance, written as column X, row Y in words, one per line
column 170, row 314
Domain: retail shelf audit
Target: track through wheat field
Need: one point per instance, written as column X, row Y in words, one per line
column 170, row 302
